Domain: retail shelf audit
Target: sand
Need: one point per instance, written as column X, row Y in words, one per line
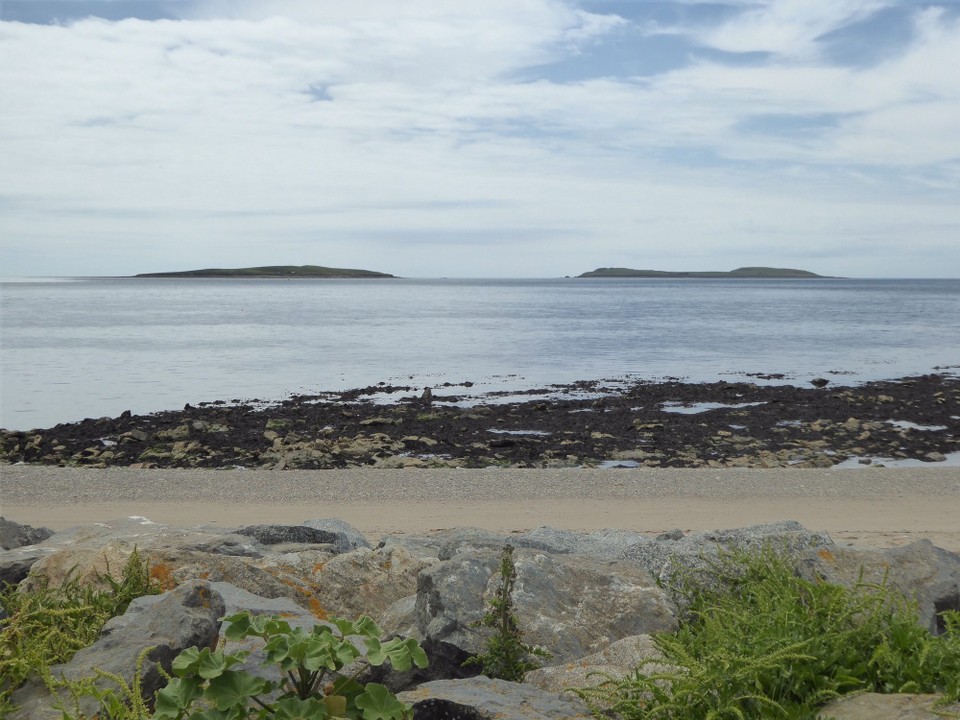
column 877, row 507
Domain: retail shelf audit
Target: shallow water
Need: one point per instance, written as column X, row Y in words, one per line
column 87, row 347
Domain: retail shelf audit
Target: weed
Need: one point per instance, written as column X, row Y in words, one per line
column 762, row 642
column 308, row 664
column 506, row 657
column 46, row 625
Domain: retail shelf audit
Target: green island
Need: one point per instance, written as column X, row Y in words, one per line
column 271, row 271
column 744, row 272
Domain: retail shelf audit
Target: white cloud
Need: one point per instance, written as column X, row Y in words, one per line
column 345, row 132
column 787, row 27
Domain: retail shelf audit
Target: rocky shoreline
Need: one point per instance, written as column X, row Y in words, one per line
column 592, row 599
column 596, row 423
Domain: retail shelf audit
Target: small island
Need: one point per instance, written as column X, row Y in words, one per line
column 744, row 272
column 271, row 271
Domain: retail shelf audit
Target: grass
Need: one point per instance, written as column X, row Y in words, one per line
column 765, row 643
column 48, row 625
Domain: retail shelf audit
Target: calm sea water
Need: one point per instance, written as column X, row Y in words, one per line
column 87, row 347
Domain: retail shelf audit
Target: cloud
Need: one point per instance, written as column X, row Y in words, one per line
column 254, row 129
column 788, row 28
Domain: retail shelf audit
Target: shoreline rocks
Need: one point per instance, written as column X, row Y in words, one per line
column 591, row 599
column 666, row 424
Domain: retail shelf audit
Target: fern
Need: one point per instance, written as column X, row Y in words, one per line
column 759, row 641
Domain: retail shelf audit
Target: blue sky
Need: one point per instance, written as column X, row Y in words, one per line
column 508, row 138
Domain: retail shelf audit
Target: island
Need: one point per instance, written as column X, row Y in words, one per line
column 271, row 271
column 744, row 272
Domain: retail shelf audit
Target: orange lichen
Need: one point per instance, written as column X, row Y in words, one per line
column 162, row 573
column 826, row 555
column 317, row 609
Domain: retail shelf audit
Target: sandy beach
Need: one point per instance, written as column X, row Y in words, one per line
column 875, row 507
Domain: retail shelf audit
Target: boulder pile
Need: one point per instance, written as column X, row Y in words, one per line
column 591, row 599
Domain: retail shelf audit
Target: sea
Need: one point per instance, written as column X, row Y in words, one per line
column 73, row 348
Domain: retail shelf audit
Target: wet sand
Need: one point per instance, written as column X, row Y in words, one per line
column 872, row 506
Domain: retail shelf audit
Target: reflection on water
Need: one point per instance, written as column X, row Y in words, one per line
column 93, row 347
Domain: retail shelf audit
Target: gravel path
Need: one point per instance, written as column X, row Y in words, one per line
column 872, row 506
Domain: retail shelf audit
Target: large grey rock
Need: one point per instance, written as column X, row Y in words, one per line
column 481, row 698
column 236, row 544
column 365, row 581
column 617, row 661
column 609, row 543
column 873, row 706
column 13, row 535
column 571, row 605
column 186, row 617
column 16, row 564
column 425, row 547
column 237, row 599
column 459, row 540
column 281, row 534
column 920, row 571
column 345, row 536
column 176, row 555
column 88, row 552
column 692, row 557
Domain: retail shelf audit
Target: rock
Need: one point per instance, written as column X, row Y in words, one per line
column 13, row 535
column 874, row 706
column 169, row 623
column 367, row 582
column 458, row 540
column 693, row 555
column 571, row 605
column 347, row 537
column 16, row 564
column 819, row 382
column 616, row 661
column 920, row 571
column 84, row 564
column 675, row 534
column 232, row 545
column 280, row 534
column 400, row 618
column 609, row 543
column 601, row 543
column 424, row 547
column 481, row 698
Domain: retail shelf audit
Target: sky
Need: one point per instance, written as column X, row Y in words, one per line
column 502, row 138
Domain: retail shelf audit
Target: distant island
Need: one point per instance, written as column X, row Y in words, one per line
column 270, row 271
column 744, row 272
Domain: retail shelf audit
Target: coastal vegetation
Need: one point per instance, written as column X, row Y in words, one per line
column 43, row 626
column 506, row 655
column 759, row 641
column 271, row 271
column 744, row 272
column 307, row 665
column 759, row 635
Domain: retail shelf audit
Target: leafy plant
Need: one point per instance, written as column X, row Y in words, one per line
column 47, row 625
column 506, row 657
column 762, row 642
column 312, row 681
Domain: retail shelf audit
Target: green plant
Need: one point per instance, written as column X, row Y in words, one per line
column 506, row 657
column 124, row 702
column 762, row 642
column 47, row 625
column 208, row 685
